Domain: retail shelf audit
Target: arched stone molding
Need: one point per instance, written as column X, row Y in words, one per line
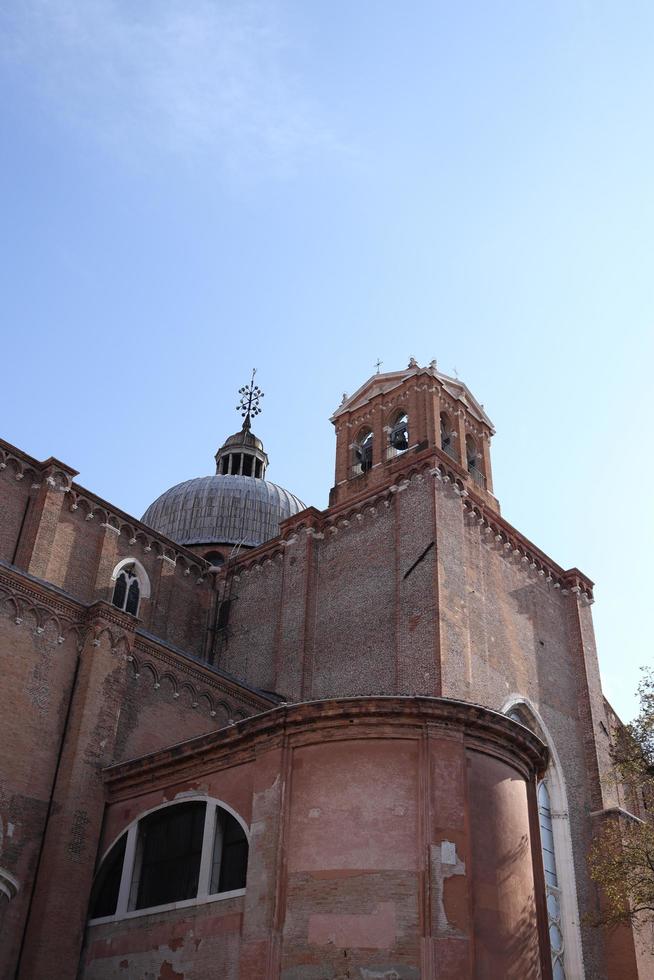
column 9, row 886
column 141, row 574
column 22, row 609
column 187, row 693
column 574, row 961
column 130, row 832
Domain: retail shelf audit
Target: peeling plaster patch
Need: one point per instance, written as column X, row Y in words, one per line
column 445, row 864
column 265, row 792
column 377, row 930
column 314, row 812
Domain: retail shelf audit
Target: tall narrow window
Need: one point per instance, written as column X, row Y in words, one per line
column 120, row 591
column 552, row 887
column 551, row 881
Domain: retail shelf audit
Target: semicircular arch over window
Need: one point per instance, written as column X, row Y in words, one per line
column 189, row 851
column 131, row 584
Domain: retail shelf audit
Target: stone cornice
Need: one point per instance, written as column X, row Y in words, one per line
column 480, row 728
column 117, row 520
column 451, row 477
column 146, row 650
column 22, row 595
column 383, row 387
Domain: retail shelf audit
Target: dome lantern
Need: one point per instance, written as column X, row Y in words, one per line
column 242, row 454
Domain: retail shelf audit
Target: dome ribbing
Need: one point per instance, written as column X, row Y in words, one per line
column 222, row 510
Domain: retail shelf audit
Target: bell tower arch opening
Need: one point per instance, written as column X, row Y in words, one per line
column 362, row 449
column 397, row 416
column 398, row 433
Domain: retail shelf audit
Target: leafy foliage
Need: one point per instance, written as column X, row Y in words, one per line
column 621, row 859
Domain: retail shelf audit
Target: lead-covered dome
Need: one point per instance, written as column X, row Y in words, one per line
column 237, row 506
column 222, row 509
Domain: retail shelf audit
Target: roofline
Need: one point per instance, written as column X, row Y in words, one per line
column 430, row 371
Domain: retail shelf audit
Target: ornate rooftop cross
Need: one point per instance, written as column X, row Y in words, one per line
column 248, row 406
column 378, row 364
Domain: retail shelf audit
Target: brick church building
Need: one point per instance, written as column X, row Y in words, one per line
column 247, row 739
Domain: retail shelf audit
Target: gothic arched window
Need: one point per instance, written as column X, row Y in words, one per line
column 551, row 881
column 130, row 586
column 186, row 852
column 127, row 591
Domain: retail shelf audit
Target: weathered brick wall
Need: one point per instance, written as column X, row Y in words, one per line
column 73, row 558
column 355, row 609
column 197, row 943
column 14, row 496
column 36, row 676
column 254, row 625
column 411, row 594
column 131, row 697
column 74, row 540
column 347, row 874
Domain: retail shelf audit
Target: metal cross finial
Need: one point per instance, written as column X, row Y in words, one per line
column 378, row 364
column 249, row 404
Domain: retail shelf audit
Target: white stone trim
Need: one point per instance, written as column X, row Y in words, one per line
column 141, row 574
column 574, row 961
column 130, row 860
column 9, row 886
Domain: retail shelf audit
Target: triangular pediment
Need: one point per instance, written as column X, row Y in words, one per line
column 376, row 385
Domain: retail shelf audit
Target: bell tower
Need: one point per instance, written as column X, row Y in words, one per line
column 399, row 416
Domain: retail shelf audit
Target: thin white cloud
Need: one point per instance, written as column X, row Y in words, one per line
column 190, row 77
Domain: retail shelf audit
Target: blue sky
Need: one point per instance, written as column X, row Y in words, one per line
column 194, row 187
